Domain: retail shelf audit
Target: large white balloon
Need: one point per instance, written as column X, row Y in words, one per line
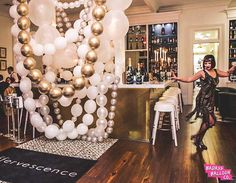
column 116, row 24
column 61, row 135
column 90, row 106
column 68, row 126
column 92, row 92
column 51, row 131
column 88, row 119
column 95, row 79
column 41, row 12
column 74, row 134
column 29, row 104
column 20, row 69
column 46, row 34
column 64, row 101
column 118, row 5
column 82, row 129
column 25, row 85
column 76, row 110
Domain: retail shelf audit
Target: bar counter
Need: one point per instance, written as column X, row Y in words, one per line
column 135, row 110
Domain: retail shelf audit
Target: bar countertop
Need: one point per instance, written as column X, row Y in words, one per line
column 147, row 85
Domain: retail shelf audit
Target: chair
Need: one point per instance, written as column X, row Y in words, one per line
column 163, row 106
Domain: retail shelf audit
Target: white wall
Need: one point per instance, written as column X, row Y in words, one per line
column 6, row 41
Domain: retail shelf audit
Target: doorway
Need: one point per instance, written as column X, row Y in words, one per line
column 205, row 42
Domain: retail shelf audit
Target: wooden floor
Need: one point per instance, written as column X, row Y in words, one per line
column 131, row 161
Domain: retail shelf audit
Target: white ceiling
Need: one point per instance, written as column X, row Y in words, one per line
column 163, row 4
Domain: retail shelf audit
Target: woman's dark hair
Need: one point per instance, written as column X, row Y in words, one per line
column 209, row 58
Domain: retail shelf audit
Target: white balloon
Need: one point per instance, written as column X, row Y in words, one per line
column 108, row 78
column 28, row 94
column 77, row 24
column 50, row 76
column 73, row 135
column 60, row 43
column 102, row 112
column 99, row 67
column 118, row 5
column 61, row 135
column 88, row 119
column 15, row 30
column 41, row 12
column 42, row 127
column 47, row 60
column 20, row 69
column 101, row 100
column 38, row 49
column 99, row 131
column 51, row 131
column 67, row 75
column 81, row 93
column 64, row 101
column 76, row 110
column 102, row 88
column 82, row 50
column 90, row 106
column 87, row 31
column 29, row 104
column 49, row 49
column 17, row 48
column 43, row 99
column 116, row 24
column 77, row 71
column 95, row 79
column 13, row 12
column 82, row 129
column 68, row 126
column 71, row 35
column 101, row 123
column 92, row 92
column 36, row 120
column 46, row 34
column 110, row 67
column 25, row 85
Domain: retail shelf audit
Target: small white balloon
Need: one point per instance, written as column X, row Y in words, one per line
column 82, row 129
column 29, row 104
column 61, row 135
column 76, row 110
column 73, row 135
column 71, row 35
column 60, row 43
column 90, row 106
column 88, row 119
column 92, row 92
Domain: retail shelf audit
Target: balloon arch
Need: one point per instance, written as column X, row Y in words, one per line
column 81, row 53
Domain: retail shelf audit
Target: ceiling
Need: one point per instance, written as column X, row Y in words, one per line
column 153, row 5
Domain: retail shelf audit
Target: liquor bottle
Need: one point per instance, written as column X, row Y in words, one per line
column 163, row 31
column 139, row 77
column 130, row 43
column 129, row 73
column 173, row 29
column 136, row 43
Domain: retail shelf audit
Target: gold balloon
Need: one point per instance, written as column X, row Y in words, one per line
column 94, row 42
column 35, row 76
column 87, row 70
column 44, row 87
column 23, row 37
column 55, row 93
column 59, row 116
column 99, row 13
column 26, row 50
column 100, row 2
column 29, row 63
column 61, row 122
column 68, row 91
column 78, row 83
column 23, row 23
column 21, row 1
column 91, row 56
column 97, row 28
column 23, row 9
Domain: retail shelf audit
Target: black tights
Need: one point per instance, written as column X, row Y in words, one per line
column 204, row 127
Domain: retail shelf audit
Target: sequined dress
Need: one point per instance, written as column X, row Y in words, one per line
column 205, row 99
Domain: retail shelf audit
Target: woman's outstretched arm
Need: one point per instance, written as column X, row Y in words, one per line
column 227, row 73
column 189, row 79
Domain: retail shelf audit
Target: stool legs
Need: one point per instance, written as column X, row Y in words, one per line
column 173, row 128
column 155, row 124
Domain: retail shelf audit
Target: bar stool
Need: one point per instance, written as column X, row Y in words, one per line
column 164, row 107
column 179, row 93
column 173, row 100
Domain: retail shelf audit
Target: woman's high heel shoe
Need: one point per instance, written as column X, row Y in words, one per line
column 202, row 146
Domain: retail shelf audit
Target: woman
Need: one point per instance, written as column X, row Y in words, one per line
column 209, row 78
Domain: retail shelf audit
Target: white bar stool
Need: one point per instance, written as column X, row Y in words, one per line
column 174, row 101
column 164, row 107
column 179, row 92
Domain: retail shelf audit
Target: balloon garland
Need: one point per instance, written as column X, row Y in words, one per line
column 82, row 55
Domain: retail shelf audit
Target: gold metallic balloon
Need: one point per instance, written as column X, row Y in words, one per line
column 78, row 83
column 94, row 42
column 59, row 116
column 68, row 91
column 97, row 28
column 24, row 37
column 100, row 2
column 44, row 86
column 23, row 9
column 35, row 76
column 29, row 63
column 26, row 50
column 55, row 93
column 60, row 122
column 87, row 70
column 21, row 1
column 23, row 23
column 91, row 56
column 99, row 13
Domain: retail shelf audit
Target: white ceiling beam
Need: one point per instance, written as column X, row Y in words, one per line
column 153, row 5
column 232, row 4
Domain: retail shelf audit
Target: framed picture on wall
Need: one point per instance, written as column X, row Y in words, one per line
column 3, row 65
column 3, row 52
